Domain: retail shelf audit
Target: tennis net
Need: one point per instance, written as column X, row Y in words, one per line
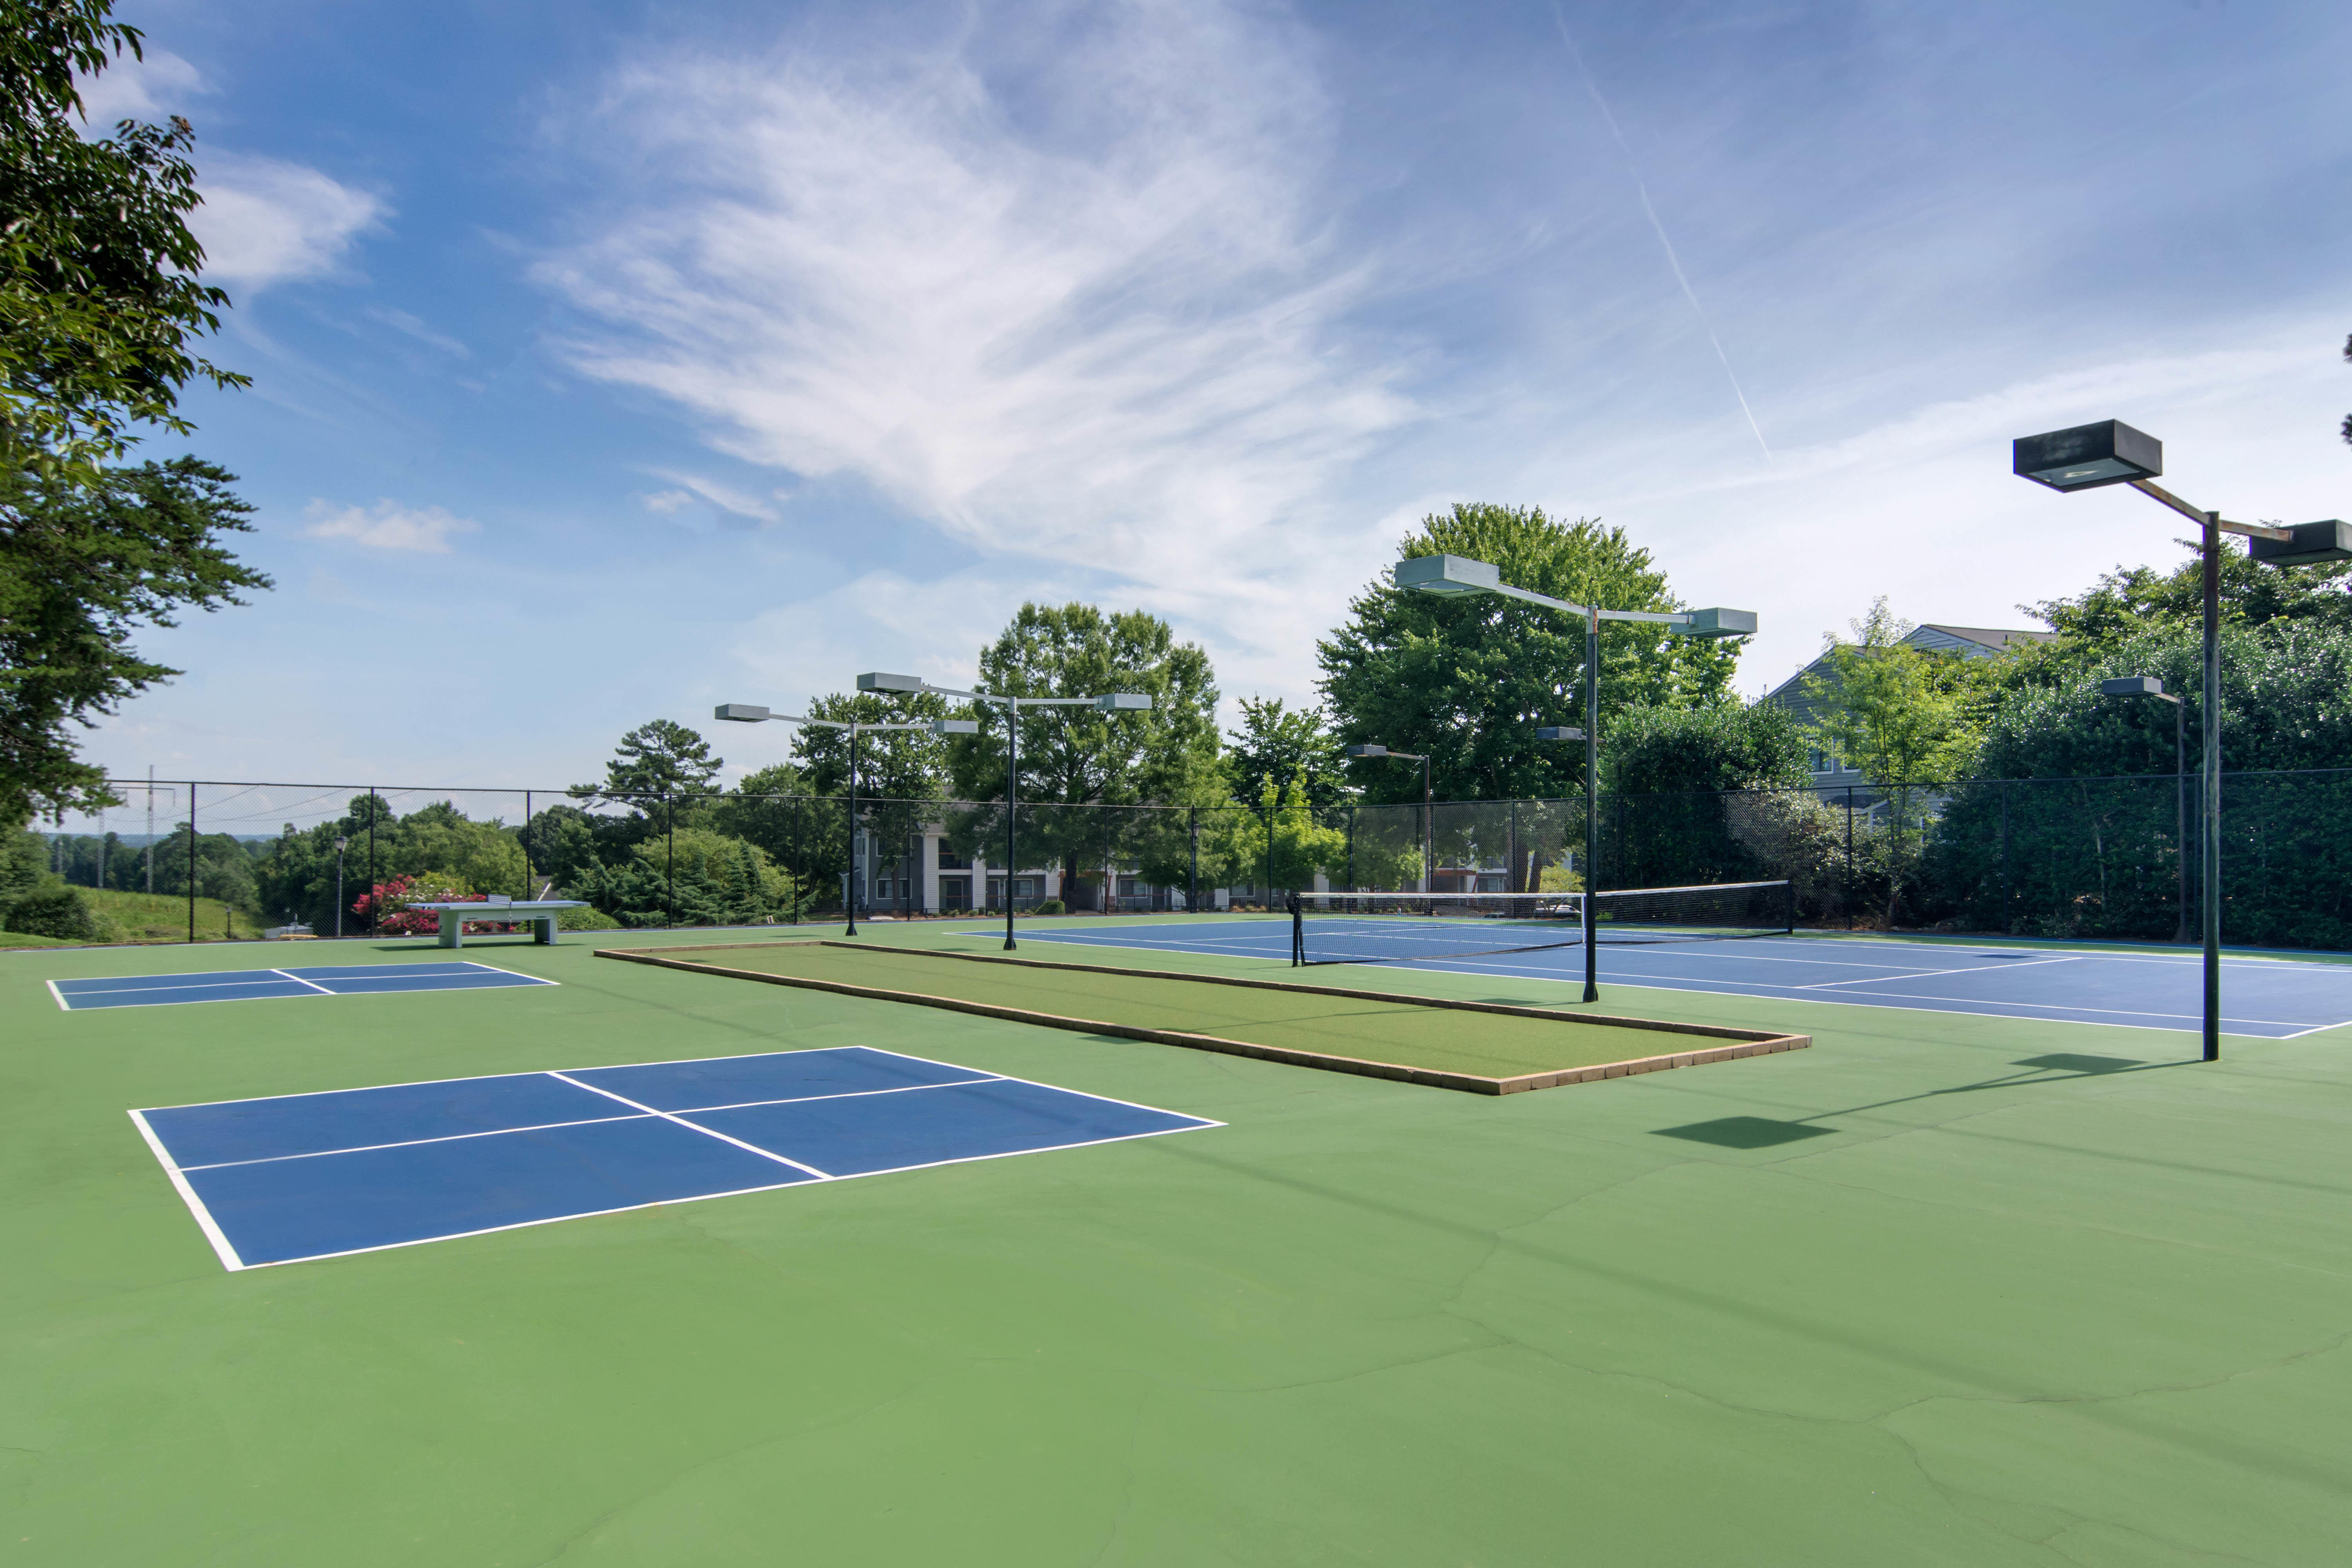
column 1406, row 928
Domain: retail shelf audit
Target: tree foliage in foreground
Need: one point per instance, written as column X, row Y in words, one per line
column 100, row 309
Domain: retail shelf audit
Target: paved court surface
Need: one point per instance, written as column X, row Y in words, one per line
column 2271, row 998
column 303, row 1177
column 271, row 984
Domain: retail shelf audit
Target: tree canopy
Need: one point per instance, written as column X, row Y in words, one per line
column 656, row 766
column 1283, row 748
column 1905, row 715
column 1467, row 679
column 83, row 567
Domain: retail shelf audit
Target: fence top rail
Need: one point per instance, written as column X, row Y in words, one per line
column 572, row 793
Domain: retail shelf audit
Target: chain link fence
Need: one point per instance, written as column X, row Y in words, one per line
column 2072, row 857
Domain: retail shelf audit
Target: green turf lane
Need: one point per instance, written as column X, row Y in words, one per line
column 1490, row 1045
column 1941, row 1289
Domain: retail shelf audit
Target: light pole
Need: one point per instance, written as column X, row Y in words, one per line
column 1428, row 834
column 751, row 713
column 2149, row 686
column 1460, row 575
column 2087, row 457
column 341, row 845
column 1108, row 702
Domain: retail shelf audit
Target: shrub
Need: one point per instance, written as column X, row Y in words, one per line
column 1050, row 907
column 58, row 911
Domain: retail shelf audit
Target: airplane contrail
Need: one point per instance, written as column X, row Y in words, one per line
column 1673, row 260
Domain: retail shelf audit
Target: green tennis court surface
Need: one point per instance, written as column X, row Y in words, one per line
column 1941, row 1289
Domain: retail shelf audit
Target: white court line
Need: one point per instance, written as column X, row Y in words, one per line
column 692, row 1127
column 576, row 1122
column 1789, row 994
column 1009, row 1077
column 57, row 994
column 527, row 1072
column 227, row 1254
column 1931, row 973
column 191, row 983
column 299, row 981
column 411, row 1142
column 735, row 1191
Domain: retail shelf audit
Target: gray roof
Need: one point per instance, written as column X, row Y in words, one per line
column 1975, row 642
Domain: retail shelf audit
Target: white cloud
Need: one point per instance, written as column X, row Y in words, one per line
column 1102, row 326
column 135, row 88
column 387, row 525
column 421, row 330
column 726, row 498
column 667, row 501
column 265, row 221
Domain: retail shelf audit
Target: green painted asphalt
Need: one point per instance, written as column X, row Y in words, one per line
column 1942, row 1289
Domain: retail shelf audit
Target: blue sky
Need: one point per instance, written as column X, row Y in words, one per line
column 611, row 361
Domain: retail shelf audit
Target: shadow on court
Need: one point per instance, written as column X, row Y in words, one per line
column 1763, row 1132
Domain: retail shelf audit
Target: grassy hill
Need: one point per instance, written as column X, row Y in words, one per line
column 161, row 917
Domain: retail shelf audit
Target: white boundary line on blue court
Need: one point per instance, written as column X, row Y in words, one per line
column 197, row 983
column 576, row 1122
column 1203, row 1125
column 230, row 1260
column 696, row 1127
column 227, row 1254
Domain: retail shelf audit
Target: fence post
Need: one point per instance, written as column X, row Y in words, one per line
column 2008, row 897
column 1849, row 856
column 1511, row 883
column 669, row 816
column 373, row 912
column 1351, row 849
column 1192, row 889
column 192, row 859
column 529, row 872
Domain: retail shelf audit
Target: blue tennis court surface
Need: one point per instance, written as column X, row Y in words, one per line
column 264, row 984
column 315, row 1175
column 2271, row 998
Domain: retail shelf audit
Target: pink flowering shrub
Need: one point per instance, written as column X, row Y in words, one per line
column 386, row 906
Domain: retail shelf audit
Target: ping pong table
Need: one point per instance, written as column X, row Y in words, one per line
column 537, row 913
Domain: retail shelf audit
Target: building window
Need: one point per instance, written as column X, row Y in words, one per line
column 951, row 861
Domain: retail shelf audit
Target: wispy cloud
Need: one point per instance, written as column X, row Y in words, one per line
column 387, row 525
column 136, row 89
column 726, row 498
column 1104, row 329
column 265, row 221
column 421, row 330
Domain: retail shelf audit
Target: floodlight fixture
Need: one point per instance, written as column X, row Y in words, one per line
column 1366, row 751
column 741, row 712
column 1447, row 574
column 2314, row 544
column 1124, row 702
column 955, row 727
column 2085, row 456
column 1714, row 623
column 1559, row 732
column 2133, row 686
column 874, row 681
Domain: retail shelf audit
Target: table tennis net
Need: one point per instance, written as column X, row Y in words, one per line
column 1406, row 928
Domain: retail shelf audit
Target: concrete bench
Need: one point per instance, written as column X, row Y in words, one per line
column 537, row 913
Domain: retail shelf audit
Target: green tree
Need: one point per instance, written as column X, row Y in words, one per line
column 1904, row 715
column 1276, row 745
column 780, row 810
column 660, row 771
column 100, row 299
column 1079, row 758
column 1724, row 745
column 1467, row 679
column 1281, row 843
column 2124, row 602
column 81, row 567
column 900, row 773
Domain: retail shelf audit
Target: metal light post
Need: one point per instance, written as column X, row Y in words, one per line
column 1428, row 812
column 341, row 845
column 2149, row 686
column 2087, row 457
column 1108, row 702
column 751, row 713
column 1460, row 575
